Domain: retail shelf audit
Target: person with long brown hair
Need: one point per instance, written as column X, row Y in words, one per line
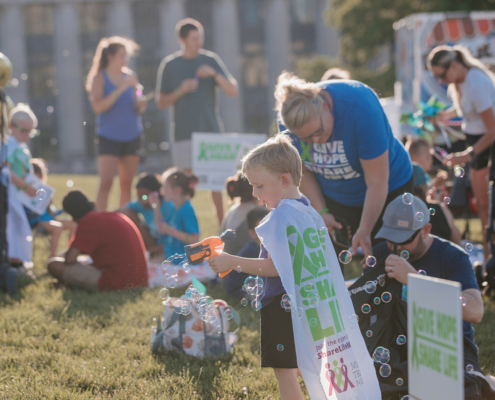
column 112, row 88
column 472, row 88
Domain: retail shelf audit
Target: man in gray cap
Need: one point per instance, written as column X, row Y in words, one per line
column 410, row 248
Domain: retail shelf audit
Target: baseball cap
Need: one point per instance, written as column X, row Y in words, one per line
column 400, row 220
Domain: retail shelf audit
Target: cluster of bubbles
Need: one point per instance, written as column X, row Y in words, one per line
column 381, row 355
column 345, row 256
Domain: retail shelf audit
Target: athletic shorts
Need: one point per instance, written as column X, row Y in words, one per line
column 82, row 276
column 480, row 161
column 119, row 149
column 277, row 338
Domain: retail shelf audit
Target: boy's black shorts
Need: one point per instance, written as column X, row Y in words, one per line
column 276, row 328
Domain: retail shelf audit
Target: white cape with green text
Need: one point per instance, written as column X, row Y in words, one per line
column 331, row 353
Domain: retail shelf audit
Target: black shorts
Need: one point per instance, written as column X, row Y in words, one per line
column 480, row 161
column 119, row 149
column 276, row 329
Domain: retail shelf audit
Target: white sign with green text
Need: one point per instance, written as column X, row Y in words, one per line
column 435, row 339
column 216, row 156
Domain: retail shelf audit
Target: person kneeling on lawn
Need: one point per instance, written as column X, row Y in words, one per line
column 111, row 240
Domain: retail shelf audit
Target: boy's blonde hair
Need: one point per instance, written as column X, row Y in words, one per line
column 277, row 155
column 22, row 112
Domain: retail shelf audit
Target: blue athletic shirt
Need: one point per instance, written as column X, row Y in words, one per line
column 121, row 122
column 184, row 219
column 166, row 209
column 444, row 260
column 273, row 284
column 361, row 131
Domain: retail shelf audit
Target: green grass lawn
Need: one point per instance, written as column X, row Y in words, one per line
column 64, row 343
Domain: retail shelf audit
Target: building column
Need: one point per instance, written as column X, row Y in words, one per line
column 70, row 99
column 226, row 42
column 327, row 39
column 120, row 19
column 13, row 45
column 278, row 45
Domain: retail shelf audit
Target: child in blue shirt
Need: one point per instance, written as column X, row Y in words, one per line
column 141, row 213
column 182, row 226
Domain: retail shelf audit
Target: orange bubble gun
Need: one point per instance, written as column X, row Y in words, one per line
column 209, row 247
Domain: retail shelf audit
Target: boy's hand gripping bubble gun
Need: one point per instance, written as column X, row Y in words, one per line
column 209, row 247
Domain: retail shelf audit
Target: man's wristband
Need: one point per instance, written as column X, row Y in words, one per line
column 323, row 211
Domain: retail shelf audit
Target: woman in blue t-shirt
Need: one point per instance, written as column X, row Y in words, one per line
column 182, row 226
column 352, row 164
column 114, row 93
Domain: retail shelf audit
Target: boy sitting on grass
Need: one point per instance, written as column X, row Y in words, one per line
column 274, row 170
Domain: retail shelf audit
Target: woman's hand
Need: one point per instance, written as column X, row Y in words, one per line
column 456, row 159
column 141, row 104
column 331, row 223
column 362, row 239
column 221, row 263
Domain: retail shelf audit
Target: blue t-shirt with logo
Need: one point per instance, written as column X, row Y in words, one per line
column 183, row 219
column 361, row 131
column 444, row 260
column 167, row 208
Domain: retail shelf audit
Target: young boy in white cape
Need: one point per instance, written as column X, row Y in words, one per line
column 302, row 324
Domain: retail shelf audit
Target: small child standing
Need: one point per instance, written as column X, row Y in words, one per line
column 234, row 282
column 47, row 219
column 182, row 227
column 274, row 169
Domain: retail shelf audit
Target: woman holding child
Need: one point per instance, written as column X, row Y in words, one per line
column 353, row 166
column 112, row 89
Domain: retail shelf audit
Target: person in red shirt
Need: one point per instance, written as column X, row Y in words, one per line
column 111, row 240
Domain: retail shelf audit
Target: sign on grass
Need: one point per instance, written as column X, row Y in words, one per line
column 435, row 341
column 216, row 156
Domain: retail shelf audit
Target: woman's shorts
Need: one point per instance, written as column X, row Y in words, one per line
column 119, row 149
column 480, row 161
column 277, row 337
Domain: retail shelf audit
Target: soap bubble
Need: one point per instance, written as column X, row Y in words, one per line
column 164, row 294
column 313, row 322
column 186, row 268
column 285, row 303
column 256, row 305
column 171, row 282
column 469, row 247
column 469, row 368
column 385, row 370
column 29, row 238
column 41, row 194
column 458, row 171
column 186, row 308
column 432, row 211
column 244, row 302
column 353, row 320
column 280, row 347
column 401, row 339
column 370, row 261
column 191, row 292
column 370, row 287
column 420, row 216
column 381, row 355
column 365, row 308
column 463, row 301
column 323, row 231
column 300, row 312
column 407, row 198
column 313, row 298
column 399, row 381
column 369, row 333
column 386, row 297
column 446, row 200
column 69, row 183
column 239, row 269
column 377, row 300
column 228, row 313
column 406, row 397
column 404, row 254
column 345, row 257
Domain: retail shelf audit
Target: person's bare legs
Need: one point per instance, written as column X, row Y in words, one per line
column 107, row 169
column 55, row 229
column 479, row 184
column 218, row 201
column 128, row 166
column 288, row 385
column 69, row 225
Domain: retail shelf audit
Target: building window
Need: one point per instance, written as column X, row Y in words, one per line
column 303, row 28
column 41, row 77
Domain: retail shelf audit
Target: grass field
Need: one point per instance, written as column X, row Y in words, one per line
column 69, row 344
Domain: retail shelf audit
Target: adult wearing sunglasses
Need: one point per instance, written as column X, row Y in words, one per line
column 472, row 88
column 410, row 248
column 352, row 164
